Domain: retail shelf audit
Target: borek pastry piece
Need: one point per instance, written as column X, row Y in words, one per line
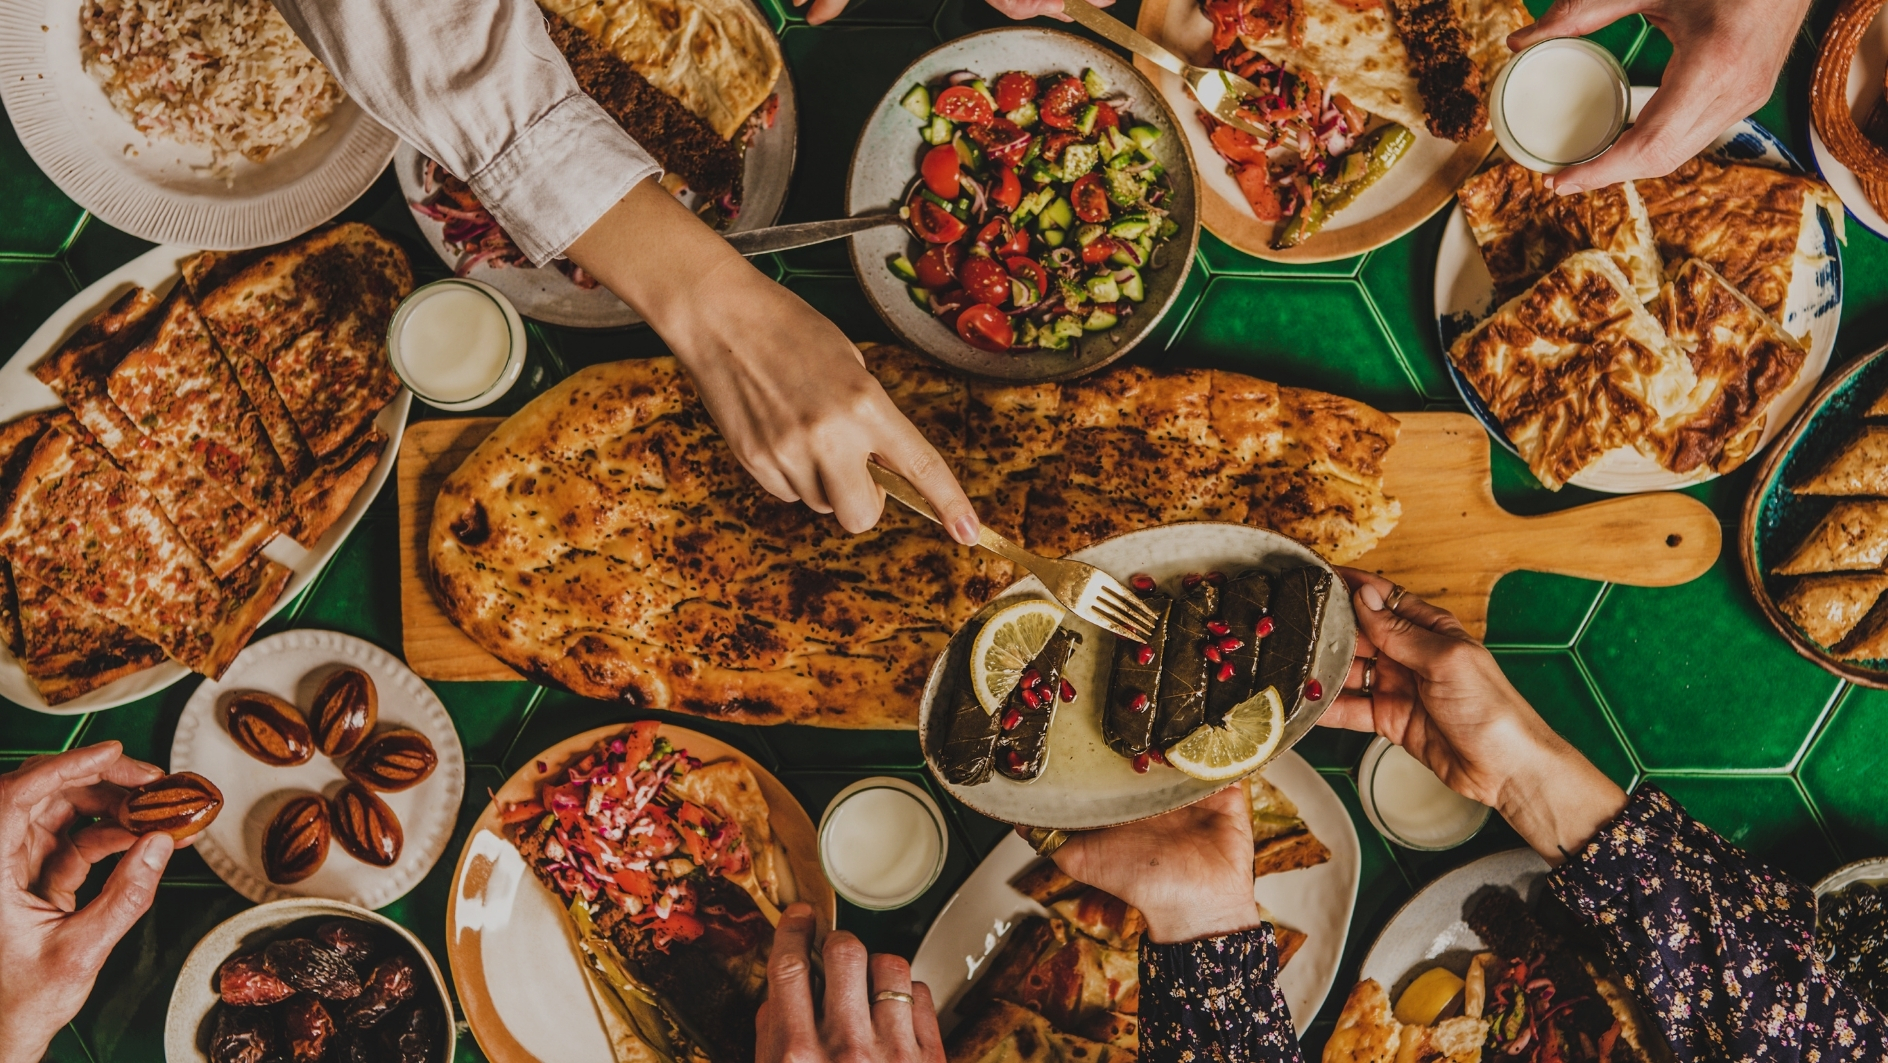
column 1827, row 608
column 1852, row 537
column 1860, row 468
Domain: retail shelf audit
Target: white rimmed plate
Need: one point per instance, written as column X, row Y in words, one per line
column 21, row 392
column 1864, row 91
column 1465, row 294
column 546, row 294
column 1085, row 784
column 151, row 187
column 1315, row 900
column 500, row 918
column 1431, row 929
column 292, row 666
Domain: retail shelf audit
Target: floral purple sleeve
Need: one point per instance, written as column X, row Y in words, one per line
column 1721, row 946
column 1215, row 1000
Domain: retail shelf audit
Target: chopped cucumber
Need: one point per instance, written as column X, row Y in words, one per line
column 1114, row 144
column 1125, row 189
column 1067, row 327
column 1134, row 289
column 920, row 296
column 939, row 131
column 1077, row 159
column 1100, row 321
column 1088, row 234
column 983, row 88
column 1059, row 214
column 1053, row 237
column 1022, row 293
column 1040, row 172
column 1024, row 116
column 1032, row 205
column 1103, row 289
column 903, row 268
column 1072, row 293
column 1144, row 136
column 1086, row 123
column 967, row 153
column 918, row 102
column 1168, row 228
column 1093, row 83
column 1129, row 227
column 1026, row 335
column 1052, row 339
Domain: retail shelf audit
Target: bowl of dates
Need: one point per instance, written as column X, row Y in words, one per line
column 307, row 980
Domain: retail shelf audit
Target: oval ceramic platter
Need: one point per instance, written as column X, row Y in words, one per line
column 156, row 189
column 1777, row 519
column 513, row 954
column 21, row 392
column 1421, row 184
column 1431, row 929
column 1314, row 900
column 1865, row 85
column 292, row 666
column 1465, row 294
column 550, row 295
column 1084, row 784
column 885, row 162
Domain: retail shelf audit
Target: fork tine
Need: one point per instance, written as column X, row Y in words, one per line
column 1131, row 605
column 1119, row 623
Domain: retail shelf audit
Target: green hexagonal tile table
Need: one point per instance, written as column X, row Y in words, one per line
column 1685, row 686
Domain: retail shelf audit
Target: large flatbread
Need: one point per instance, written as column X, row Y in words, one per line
column 1575, row 367
column 604, row 539
column 203, row 273
column 1525, row 229
column 68, row 650
column 1860, row 468
column 716, row 56
column 1851, row 537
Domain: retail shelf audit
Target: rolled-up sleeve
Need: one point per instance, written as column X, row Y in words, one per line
column 478, row 86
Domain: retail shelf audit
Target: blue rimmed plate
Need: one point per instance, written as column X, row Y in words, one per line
column 1464, row 295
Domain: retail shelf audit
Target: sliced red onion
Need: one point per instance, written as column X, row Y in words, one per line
column 961, row 77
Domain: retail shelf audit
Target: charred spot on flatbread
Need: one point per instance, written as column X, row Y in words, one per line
column 1525, row 228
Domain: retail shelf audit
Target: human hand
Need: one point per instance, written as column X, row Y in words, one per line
column 1441, row 696
column 788, row 390
column 854, row 1028
column 824, row 10
column 1189, row 871
column 50, row 949
column 1725, row 59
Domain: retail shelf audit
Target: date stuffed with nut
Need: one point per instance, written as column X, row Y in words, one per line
column 312, row 967
column 345, row 711
column 269, row 729
column 296, row 843
column 393, row 761
column 180, row 805
column 365, row 826
column 244, row 982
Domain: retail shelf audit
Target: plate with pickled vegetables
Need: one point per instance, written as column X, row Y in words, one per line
column 1048, row 207
column 1036, row 717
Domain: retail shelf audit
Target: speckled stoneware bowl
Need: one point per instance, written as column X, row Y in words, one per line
column 1084, row 784
column 186, row 1034
column 885, row 162
column 1776, row 519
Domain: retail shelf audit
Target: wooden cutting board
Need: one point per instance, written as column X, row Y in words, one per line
column 1451, row 546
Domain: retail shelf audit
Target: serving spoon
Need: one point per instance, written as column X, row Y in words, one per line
column 1221, row 92
column 806, row 233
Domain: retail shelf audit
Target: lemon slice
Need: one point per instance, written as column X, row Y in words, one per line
column 1251, row 732
column 1008, row 642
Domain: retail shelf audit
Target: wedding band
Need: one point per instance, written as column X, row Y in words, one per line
column 1370, row 677
column 1397, row 593
column 1046, row 840
column 893, row 994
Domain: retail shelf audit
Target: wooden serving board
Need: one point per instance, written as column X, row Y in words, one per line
column 1451, row 546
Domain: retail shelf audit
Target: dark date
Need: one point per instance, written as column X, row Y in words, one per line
column 308, row 1028
column 312, row 967
column 390, row 985
column 244, row 982
column 410, row 1036
column 244, row 1035
column 357, row 943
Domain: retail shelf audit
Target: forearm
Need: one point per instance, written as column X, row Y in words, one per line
column 661, row 259
column 1559, row 801
column 1215, row 999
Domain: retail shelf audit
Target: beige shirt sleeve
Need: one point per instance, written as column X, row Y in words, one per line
column 478, row 86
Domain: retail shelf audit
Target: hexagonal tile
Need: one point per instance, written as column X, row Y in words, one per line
column 813, row 747
column 1864, row 295
column 31, row 733
column 143, row 727
column 488, row 716
column 358, row 593
column 1649, row 58
column 30, row 290
column 39, row 218
column 123, row 1018
column 1319, row 334
column 97, row 249
column 1697, row 679
column 1559, row 691
column 560, row 714
column 1226, row 260
column 1765, row 815
column 1539, row 609
column 1400, row 280
column 1381, row 889
column 1842, row 774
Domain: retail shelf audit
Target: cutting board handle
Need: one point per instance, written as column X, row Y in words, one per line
column 1652, row 540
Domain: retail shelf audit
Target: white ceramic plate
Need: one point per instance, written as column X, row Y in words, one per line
column 1865, row 81
column 1430, row 929
column 1465, row 295
column 548, row 295
column 1316, row 900
column 21, row 392
column 1084, row 784
column 292, row 666
column 151, row 188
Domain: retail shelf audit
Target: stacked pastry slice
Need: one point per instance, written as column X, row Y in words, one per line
column 1843, row 561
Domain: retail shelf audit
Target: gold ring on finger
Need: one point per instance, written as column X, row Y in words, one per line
column 893, row 994
column 1370, row 677
column 1397, row 593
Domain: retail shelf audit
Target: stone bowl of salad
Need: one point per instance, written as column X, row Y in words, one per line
column 1049, row 205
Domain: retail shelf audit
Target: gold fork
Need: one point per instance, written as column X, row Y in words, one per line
column 1219, row 91
column 1084, row 590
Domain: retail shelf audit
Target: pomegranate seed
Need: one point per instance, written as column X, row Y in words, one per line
column 1138, row 703
column 1012, row 719
column 1217, row 579
column 1013, row 760
column 1265, row 627
column 1142, row 582
column 1144, row 655
column 1225, row 671
column 1314, row 690
column 1068, row 690
column 1032, row 679
column 1032, row 698
column 1212, row 652
column 1191, row 580
column 1141, row 763
column 1217, row 627
column 1229, row 644
column 1157, row 756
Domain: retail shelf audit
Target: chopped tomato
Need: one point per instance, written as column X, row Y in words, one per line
column 1013, row 90
column 961, row 103
column 941, row 170
column 1016, row 245
column 937, row 267
column 1062, row 103
column 1002, row 140
column 1053, row 144
column 986, row 328
column 1256, row 184
column 1008, row 190
column 1089, row 197
column 932, row 223
column 1237, row 145
column 1030, row 270
column 985, row 281
column 1106, row 117
column 1100, row 249
column 994, row 235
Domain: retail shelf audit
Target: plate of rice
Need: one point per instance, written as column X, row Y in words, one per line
column 199, row 122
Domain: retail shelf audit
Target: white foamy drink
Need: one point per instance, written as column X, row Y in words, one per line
column 1413, row 807
column 881, row 847
column 453, row 343
column 1560, row 102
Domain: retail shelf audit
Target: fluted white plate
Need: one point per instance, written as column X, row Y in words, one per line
column 154, row 188
column 292, row 666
